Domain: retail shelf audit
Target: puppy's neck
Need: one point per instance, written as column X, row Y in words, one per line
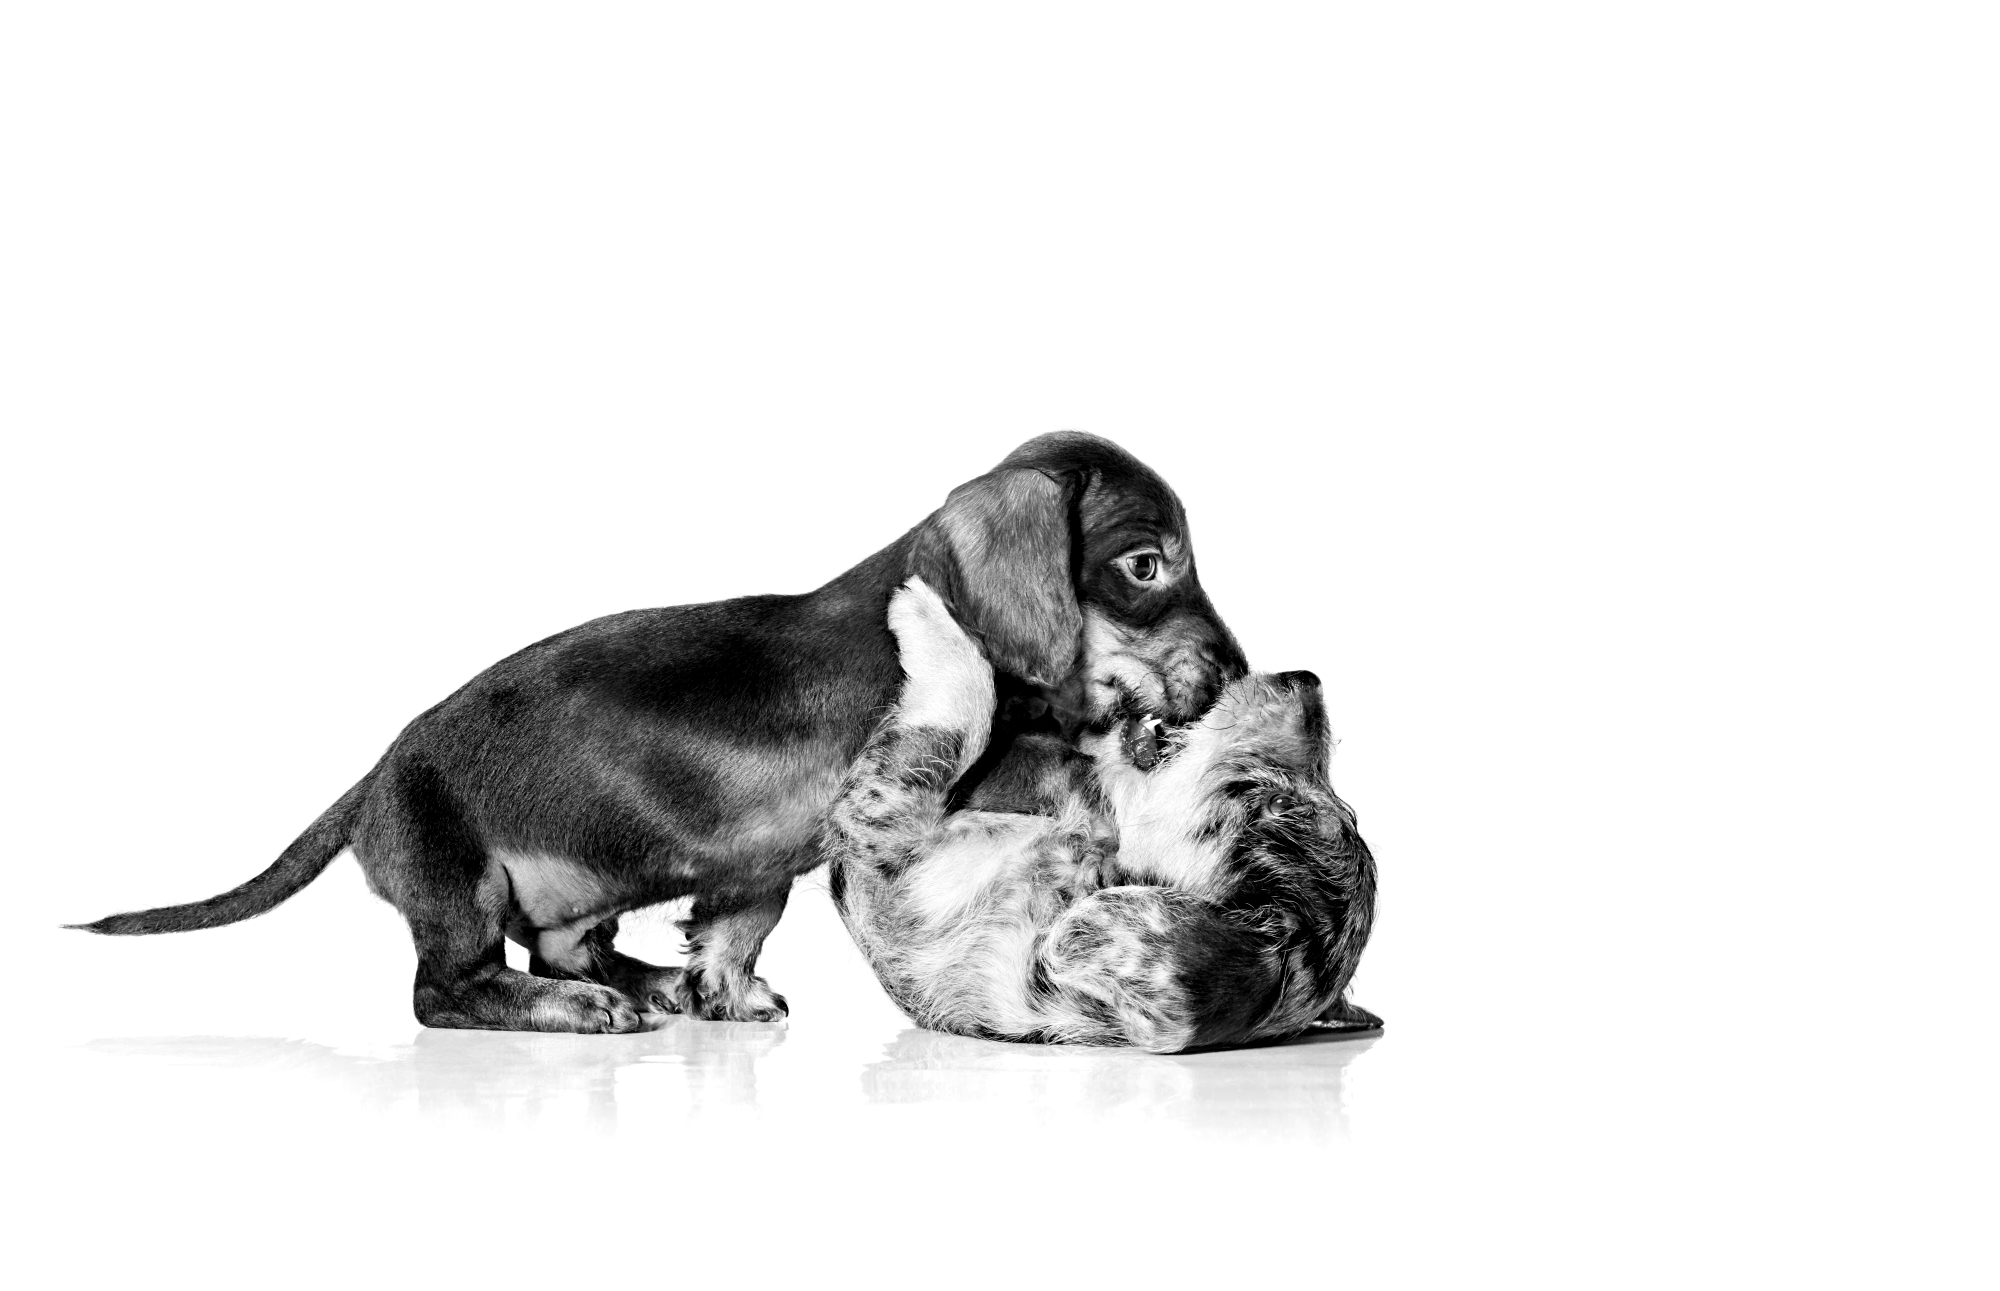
column 1165, row 817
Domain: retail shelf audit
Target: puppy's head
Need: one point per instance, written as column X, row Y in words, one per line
column 1237, row 809
column 1070, row 562
column 1245, row 783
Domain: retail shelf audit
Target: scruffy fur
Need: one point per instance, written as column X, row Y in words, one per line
column 1221, row 896
column 693, row 751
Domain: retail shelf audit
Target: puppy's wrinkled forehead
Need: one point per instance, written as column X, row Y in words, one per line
column 1123, row 502
column 1123, row 510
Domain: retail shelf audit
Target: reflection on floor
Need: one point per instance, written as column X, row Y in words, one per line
column 696, row 1068
column 490, row 1075
column 1298, row 1082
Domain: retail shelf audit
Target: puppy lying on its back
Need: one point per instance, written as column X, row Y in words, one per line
column 1210, row 891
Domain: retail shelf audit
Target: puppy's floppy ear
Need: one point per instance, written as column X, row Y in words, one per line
column 1000, row 553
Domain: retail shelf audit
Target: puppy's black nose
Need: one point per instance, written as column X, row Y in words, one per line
column 1300, row 680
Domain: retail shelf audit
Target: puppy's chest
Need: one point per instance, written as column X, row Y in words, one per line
column 1170, row 852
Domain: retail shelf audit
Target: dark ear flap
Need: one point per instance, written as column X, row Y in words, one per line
column 998, row 552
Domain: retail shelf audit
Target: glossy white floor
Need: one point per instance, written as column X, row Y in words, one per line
column 1599, row 398
column 1569, row 1118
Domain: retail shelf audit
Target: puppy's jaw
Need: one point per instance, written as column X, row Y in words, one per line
column 1160, row 671
column 1115, row 678
column 1166, row 816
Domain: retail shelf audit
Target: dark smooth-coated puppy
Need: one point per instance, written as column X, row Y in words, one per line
column 693, row 751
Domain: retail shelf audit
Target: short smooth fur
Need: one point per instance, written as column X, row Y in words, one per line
column 693, row 751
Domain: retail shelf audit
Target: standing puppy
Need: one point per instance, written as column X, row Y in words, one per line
column 1204, row 889
column 693, row 751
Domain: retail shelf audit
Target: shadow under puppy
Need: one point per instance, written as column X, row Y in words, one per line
column 1205, row 889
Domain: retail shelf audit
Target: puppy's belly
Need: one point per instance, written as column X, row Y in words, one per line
column 551, row 892
column 980, row 850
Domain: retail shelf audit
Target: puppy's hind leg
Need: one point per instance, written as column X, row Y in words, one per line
column 595, row 959
column 463, row 980
column 724, row 938
column 422, row 856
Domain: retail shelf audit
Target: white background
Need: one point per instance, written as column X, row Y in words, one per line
column 1601, row 399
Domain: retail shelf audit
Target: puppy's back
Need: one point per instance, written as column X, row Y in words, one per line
column 1156, row 968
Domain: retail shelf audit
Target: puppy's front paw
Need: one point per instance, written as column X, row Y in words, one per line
column 584, row 1007
column 949, row 683
column 748, row 999
column 927, row 633
column 760, row 1004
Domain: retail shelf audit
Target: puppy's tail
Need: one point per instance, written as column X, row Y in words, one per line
column 301, row 863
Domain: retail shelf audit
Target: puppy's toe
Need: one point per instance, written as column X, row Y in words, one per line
column 921, row 623
column 758, row 1003
column 916, row 608
column 620, row 1013
column 683, row 995
column 752, row 1001
column 659, row 992
column 582, row 1007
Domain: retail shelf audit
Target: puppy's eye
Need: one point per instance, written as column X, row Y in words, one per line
column 1143, row 566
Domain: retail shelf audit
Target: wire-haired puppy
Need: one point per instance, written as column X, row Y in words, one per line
column 1202, row 888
